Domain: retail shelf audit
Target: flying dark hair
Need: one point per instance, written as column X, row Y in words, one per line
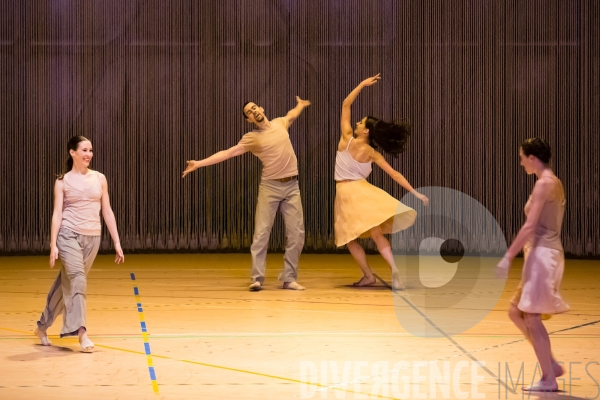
column 537, row 147
column 73, row 144
column 391, row 136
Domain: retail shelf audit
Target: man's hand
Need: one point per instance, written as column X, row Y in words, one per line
column 303, row 103
column 192, row 165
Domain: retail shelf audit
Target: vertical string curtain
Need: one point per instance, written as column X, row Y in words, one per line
column 155, row 83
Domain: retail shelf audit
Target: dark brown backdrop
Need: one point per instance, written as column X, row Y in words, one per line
column 154, row 83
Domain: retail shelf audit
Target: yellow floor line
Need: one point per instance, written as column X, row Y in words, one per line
column 216, row 366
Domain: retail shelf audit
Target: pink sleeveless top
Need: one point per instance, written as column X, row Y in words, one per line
column 81, row 205
column 547, row 230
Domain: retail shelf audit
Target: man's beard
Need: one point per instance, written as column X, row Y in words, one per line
column 259, row 118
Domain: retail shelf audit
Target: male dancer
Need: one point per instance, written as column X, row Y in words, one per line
column 270, row 142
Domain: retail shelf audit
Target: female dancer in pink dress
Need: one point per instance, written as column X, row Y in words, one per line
column 79, row 195
column 538, row 293
column 361, row 209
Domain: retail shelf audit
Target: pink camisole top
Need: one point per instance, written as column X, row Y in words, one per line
column 81, row 205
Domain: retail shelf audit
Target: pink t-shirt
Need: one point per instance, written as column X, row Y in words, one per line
column 81, row 204
column 274, row 148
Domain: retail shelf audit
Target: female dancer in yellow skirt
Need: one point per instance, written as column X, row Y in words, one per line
column 538, row 293
column 361, row 209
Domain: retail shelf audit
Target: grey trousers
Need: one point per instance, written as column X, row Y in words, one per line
column 67, row 294
column 273, row 196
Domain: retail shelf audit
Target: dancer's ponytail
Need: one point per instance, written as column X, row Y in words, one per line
column 72, row 145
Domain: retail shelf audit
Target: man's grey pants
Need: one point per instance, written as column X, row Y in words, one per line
column 273, row 196
column 67, row 294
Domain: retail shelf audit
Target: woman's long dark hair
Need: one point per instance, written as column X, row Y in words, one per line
column 72, row 145
column 391, row 136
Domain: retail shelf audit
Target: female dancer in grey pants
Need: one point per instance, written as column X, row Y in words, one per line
column 79, row 194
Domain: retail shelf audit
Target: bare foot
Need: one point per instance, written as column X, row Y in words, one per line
column 86, row 344
column 543, row 386
column 293, row 286
column 365, row 281
column 396, row 282
column 43, row 337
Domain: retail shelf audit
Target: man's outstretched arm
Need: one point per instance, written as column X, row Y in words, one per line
column 216, row 158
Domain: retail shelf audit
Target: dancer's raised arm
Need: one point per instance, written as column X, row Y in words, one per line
column 216, row 158
column 296, row 111
column 345, row 124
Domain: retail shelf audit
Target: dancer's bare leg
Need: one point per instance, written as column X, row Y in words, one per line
column 517, row 316
column 361, row 259
column 541, row 345
column 385, row 249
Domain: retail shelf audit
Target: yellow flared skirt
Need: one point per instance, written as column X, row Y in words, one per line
column 360, row 206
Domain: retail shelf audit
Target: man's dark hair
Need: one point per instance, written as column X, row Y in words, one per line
column 243, row 107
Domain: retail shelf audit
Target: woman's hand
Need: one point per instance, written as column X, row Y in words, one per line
column 192, row 165
column 120, row 257
column 53, row 255
column 424, row 199
column 502, row 268
column 419, row 196
column 371, row 81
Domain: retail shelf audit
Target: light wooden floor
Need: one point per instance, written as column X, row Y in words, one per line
column 212, row 339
